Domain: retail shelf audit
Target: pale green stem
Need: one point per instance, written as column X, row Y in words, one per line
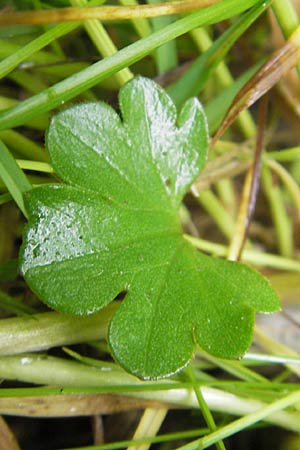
column 6, row 102
column 244, row 422
column 212, row 205
column 13, row 60
column 23, row 53
column 148, row 426
column 35, row 165
column 25, row 147
column 225, row 189
column 286, row 16
column 207, row 415
column 288, row 20
column 31, row 83
column 225, row 79
column 281, row 220
column 141, row 26
column 249, row 256
column 46, row 330
column 39, row 123
column 291, row 185
column 59, row 372
column 289, row 154
column 103, row 42
column 244, row 120
column 165, row 55
column 89, row 77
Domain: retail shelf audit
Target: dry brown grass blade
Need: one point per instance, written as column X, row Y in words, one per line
column 265, row 78
column 232, row 163
column 250, row 190
column 7, row 439
column 72, row 405
column 101, row 12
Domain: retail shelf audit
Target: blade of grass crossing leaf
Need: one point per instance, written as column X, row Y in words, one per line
column 81, row 81
column 15, row 180
column 194, row 79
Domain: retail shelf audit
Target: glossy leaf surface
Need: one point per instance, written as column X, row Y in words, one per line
column 113, row 226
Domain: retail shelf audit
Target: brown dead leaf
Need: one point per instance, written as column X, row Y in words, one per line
column 7, row 439
column 282, row 61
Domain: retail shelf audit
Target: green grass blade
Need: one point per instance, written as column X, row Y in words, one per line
column 23, row 146
column 243, row 423
column 194, row 79
column 166, row 55
column 14, row 306
column 12, row 61
column 78, row 83
column 216, row 108
column 13, row 177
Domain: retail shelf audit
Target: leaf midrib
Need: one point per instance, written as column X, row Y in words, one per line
column 135, row 187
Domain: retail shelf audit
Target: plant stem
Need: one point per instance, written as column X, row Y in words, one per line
column 225, row 79
column 249, row 256
column 286, row 16
column 282, row 222
column 141, row 26
column 216, row 210
column 13, row 177
column 166, row 55
column 243, row 423
column 207, row 415
column 59, row 372
column 47, row 330
column 103, row 42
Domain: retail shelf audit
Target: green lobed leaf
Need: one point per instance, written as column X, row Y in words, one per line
column 113, row 226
